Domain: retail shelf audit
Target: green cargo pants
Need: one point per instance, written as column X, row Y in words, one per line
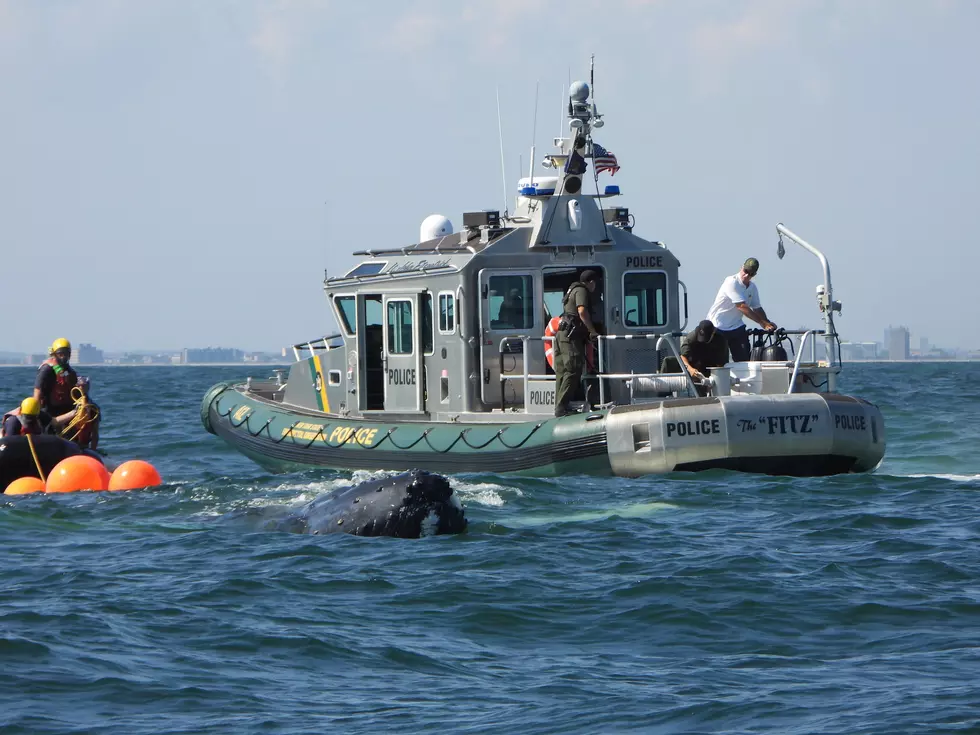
column 569, row 364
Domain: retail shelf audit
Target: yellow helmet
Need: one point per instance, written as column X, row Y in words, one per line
column 60, row 344
column 30, row 407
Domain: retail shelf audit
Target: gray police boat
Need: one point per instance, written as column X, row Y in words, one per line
column 441, row 361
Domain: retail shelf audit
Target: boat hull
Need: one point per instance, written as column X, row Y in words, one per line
column 802, row 435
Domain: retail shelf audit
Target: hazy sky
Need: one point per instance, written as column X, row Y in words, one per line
column 177, row 173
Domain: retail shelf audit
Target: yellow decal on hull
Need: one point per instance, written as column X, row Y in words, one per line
column 339, row 434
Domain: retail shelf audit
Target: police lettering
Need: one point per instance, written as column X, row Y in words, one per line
column 853, row 423
column 405, row 376
column 788, row 424
column 542, row 398
column 645, row 261
column 352, row 435
column 694, row 428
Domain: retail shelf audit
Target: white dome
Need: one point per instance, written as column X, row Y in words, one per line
column 433, row 226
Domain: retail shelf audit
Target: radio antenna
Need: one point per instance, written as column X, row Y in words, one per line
column 534, row 130
column 500, row 133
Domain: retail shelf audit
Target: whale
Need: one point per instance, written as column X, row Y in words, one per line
column 410, row 505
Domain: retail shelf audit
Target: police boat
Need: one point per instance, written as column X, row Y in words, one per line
column 441, row 361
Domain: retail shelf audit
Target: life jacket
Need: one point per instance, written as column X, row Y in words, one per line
column 65, row 379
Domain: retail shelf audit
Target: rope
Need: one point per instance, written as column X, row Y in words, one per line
column 37, row 462
column 85, row 414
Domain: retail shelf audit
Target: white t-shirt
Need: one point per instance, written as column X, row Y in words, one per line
column 723, row 313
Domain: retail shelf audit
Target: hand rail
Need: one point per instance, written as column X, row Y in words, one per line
column 600, row 375
column 321, row 342
column 799, row 357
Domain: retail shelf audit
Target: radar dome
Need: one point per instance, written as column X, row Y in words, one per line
column 433, row 226
column 579, row 91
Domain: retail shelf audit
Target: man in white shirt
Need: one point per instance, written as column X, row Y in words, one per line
column 736, row 298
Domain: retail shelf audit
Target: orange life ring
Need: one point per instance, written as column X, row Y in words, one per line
column 549, row 347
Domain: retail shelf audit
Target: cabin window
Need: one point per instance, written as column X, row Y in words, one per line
column 447, row 313
column 346, row 313
column 645, row 299
column 400, row 327
column 511, row 302
column 367, row 269
column 428, row 325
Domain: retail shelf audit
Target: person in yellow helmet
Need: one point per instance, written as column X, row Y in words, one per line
column 55, row 379
column 30, row 418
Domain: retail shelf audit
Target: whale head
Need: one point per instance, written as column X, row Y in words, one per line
column 409, row 505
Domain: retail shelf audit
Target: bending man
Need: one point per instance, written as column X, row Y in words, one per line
column 738, row 297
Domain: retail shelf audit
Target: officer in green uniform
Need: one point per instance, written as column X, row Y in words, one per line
column 573, row 334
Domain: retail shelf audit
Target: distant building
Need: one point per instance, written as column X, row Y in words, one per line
column 924, row 345
column 897, row 343
column 35, row 359
column 89, row 355
column 858, row 351
column 212, row 354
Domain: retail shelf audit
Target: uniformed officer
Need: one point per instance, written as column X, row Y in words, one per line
column 575, row 332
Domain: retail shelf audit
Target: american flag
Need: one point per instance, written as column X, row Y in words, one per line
column 603, row 160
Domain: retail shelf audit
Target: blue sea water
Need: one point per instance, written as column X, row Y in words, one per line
column 716, row 602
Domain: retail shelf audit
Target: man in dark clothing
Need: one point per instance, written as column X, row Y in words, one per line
column 31, row 419
column 703, row 348
column 55, row 379
column 570, row 343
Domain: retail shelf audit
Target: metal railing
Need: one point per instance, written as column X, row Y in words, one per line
column 324, row 344
column 601, row 375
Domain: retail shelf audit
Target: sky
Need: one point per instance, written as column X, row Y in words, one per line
column 178, row 173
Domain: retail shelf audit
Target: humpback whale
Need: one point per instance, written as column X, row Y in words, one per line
column 409, row 505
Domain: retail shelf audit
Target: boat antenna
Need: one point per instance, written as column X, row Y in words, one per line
column 561, row 112
column 500, row 133
column 592, row 77
column 534, row 131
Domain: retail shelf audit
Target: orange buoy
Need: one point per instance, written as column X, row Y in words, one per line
column 80, row 472
column 25, row 485
column 133, row 475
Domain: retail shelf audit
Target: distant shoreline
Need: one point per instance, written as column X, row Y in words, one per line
column 161, row 364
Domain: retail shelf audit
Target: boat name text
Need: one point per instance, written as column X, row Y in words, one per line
column 794, row 424
column 418, row 265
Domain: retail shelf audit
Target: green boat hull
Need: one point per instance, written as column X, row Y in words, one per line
column 287, row 438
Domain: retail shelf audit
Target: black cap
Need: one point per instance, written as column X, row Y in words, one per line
column 705, row 330
column 751, row 266
column 588, row 276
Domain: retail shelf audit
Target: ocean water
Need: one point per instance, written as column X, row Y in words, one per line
column 715, row 602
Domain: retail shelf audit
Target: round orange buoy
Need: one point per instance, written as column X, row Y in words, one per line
column 77, row 473
column 25, row 485
column 134, row 474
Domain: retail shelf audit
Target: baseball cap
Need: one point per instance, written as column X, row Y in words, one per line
column 751, row 266
column 588, row 276
column 705, row 330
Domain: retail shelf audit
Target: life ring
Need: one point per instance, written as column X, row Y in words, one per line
column 549, row 347
column 551, row 330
